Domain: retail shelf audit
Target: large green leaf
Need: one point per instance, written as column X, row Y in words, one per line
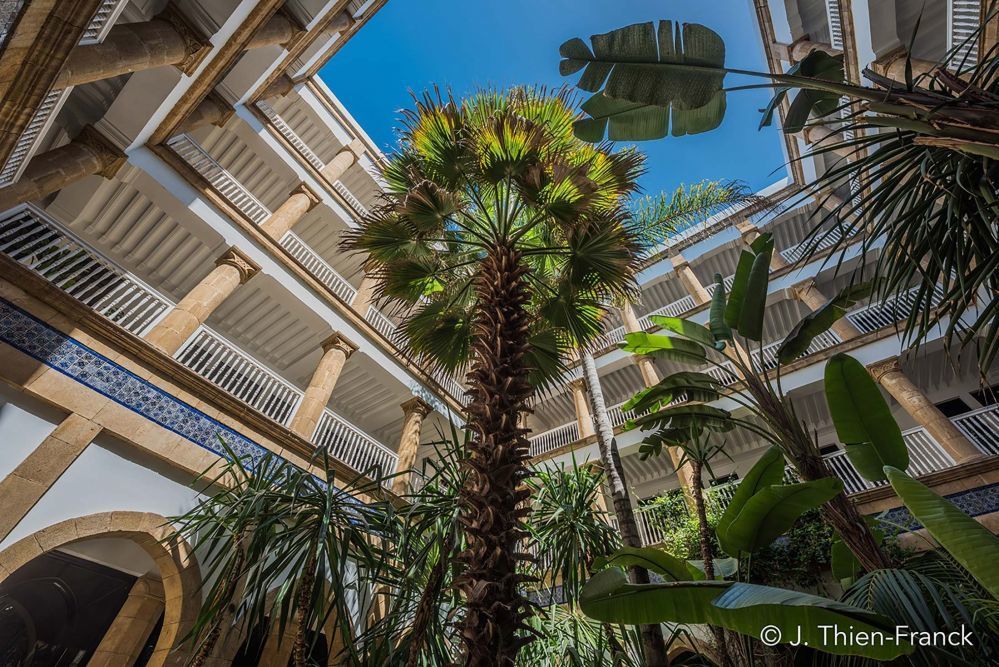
column 773, row 510
column 696, row 386
column 767, row 471
column 818, row 65
column 664, row 347
column 719, row 328
column 688, row 415
column 742, row 608
column 686, row 328
column 971, row 544
column 620, row 60
column 754, row 300
column 815, row 323
column 725, row 568
column 620, row 120
column 733, row 309
column 862, row 418
column 655, row 560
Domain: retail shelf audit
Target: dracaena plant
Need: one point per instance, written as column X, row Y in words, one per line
column 922, row 154
column 726, row 347
column 504, row 236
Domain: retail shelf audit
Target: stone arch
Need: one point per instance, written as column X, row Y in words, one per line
column 152, row 533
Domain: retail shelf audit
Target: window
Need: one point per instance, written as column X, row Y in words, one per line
column 988, row 396
column 953, row 407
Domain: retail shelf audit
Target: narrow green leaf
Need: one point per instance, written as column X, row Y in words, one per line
column 755, row 298
column 804, row 332
column 686, row 328
column 863, row 421
column 664, row 347
column 971, row 544
column 733, row 309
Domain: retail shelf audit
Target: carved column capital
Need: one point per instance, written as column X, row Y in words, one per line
column 579, row 384
column 301, row 30
column 226, row 110
column 304, row 188
column 678, row 261
column 882, row 368
column 198, row 45
column 237, row 258
column 336, row 341
column 341, row 22
column 417, row 406
column 111, row 157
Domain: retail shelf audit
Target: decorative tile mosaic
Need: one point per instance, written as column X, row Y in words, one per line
column 55, row 349
column 974, row 502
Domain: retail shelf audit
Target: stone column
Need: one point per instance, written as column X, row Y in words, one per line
column 645, row 364
column 279, row 30
column 581, row 404
column 689, row 280
column 231, row 270
column 889, row 374
column 168, row 39
column 810, row 295
column 300, row 201
column 892, row 65
column 31, row 479
column 89, row 154
column 415, row 409
column 749, row 233
column 130, row 629
column 802, row 47
column 213, row 110
column 333, row 170
column 365, row 295
column 336, row 351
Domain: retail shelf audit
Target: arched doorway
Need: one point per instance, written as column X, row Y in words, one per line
column 51, row 593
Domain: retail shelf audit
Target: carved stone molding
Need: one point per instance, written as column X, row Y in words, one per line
column 304, row 188
column 301, row 30
column 342, row 22
column 111, row 157
column 882, row 368
column 198, row 44
column 339, row 342
column 417, row 405
column 226, row 110
column 236, row 258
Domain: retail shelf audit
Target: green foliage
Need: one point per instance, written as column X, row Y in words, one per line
column 862, row 418
column 967, row 541
column 804, row 332
column 658, row 218
column 743, row 608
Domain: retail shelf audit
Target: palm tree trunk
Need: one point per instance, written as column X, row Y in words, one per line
column 493, row 500
column 299, row 653
column 652, row 635
column 704, row 532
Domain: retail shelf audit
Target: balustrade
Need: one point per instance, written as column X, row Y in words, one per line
column 349, row 444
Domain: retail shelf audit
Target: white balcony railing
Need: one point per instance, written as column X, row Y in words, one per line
column 354, row 202
column 318, row 267
column 835, row 24
column 222, row 363
column 963, row 20
column 674, row 309
column 768, row 359
column 981, row 427
column 288, row 133
column 552, row 439
column 36, row 241
column 793, row 253
column 219, row 177
column 726, row 281
column 878, row 315
column 349, row 444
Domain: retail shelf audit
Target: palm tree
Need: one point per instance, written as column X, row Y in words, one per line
column 503, row 235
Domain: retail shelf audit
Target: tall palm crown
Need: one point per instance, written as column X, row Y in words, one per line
column 504, row 236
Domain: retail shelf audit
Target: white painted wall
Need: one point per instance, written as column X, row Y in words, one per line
column 109, row 476
column 24, row 423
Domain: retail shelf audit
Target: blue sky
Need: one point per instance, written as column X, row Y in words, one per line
column 410, row 45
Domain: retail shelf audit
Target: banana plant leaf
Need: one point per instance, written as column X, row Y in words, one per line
column 725, row 568
column 754, row 300
column 655, row 560
column 719, row 328
column 695, row 386
column 653, row 444
column 640, row 102
column 733, row 309
column 819, row 65
column 772, row 511
column 742, row 608
column 863, row 421
column 971, row 544
column 688, row 329
column 664, row 347
column 804, row 332
column 767, row 471
column 686, row 416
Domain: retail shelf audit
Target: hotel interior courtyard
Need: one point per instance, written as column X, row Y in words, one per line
column 683, row 352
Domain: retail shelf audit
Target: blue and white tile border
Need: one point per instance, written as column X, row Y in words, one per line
column 75, row 360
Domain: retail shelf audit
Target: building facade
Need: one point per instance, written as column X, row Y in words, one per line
column 174, row 182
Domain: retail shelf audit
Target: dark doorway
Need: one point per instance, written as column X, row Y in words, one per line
column 55, row 610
